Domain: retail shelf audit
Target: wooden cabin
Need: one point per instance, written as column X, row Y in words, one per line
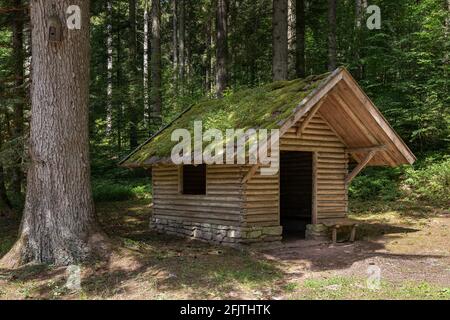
column 325, row 123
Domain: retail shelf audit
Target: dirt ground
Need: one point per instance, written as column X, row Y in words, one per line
column 402, row 252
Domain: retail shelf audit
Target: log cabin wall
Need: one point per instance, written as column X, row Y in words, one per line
column 216, row 217
column 221, row 205
column 235, row 213
column 261, row 202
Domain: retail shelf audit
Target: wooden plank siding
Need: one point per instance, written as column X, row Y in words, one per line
column 261, row 200
column 331, row 165
column 221, row 205
column 261, row 193
column 256, row 203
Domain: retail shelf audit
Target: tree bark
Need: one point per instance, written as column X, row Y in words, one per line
column 360, row 7
column 109, row 86
column 156, row 61
column 18, row 120
column 358, row 13
column 132, row 105
column 175, row 43
column 181, row 39
column 5, row 204
column 145, row 65
column 291, row 38
column 332, row 50
column 280, row 40
column 209, row 64
column 120, row 107
column 222, row 46
column 300, row 27
column 58, row 225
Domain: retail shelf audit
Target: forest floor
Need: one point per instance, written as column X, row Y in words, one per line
column 409, row 244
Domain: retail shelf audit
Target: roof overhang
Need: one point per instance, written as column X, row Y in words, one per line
column 359, row 123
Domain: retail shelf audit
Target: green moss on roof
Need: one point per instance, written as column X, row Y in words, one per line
column 260, row 108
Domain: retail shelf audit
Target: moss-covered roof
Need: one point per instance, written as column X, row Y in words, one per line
column 265, row 107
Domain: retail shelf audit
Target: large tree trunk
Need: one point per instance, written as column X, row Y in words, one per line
column 300, row 67
column 18, row 121
column 280, row 40
column 58, row 225
column 156, row 61
column 109, row 85
column 222, row 46
column 132, row 106
column 332, row 47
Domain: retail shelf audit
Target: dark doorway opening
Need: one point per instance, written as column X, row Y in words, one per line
column 296, row 184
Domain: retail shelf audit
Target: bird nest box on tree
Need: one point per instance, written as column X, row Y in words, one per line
column 323, row 121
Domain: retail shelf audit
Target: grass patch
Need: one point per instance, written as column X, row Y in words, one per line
column 250, row 273
column 344, row 288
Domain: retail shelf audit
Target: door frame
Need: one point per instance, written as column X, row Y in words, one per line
column 314, row 191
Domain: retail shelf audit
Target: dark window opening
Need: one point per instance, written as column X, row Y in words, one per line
column 194, row 180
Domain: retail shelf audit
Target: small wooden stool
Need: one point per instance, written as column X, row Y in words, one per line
column 336, row 224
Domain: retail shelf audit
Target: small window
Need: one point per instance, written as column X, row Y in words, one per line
column 194, row 179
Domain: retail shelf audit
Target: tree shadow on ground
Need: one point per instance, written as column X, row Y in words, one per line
column 147, row 264
column 328, row 257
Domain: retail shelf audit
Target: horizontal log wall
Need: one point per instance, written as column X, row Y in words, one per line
column 221, row 205
column 261, row 193
column 261, row 200
column 332, row 165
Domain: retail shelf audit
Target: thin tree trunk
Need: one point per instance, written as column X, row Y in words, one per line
column 447, row 46
column 212, row 56
column 145, row 65
column 300, row 66
column 209, row 45
column 181, row 39
column 280, row 40
column 132, row 105
column 109, row 86
column 291, row 37
column 222, row 46
column 360, row 6
column 120, row 108
column 175, row 43
column 156, row 61
column 358, row 13
column 5, row 204
column 58, row 225
column 18, row 120
column 332, row 50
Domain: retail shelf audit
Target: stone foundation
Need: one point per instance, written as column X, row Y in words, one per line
column 317, row 232
column 219, row 234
